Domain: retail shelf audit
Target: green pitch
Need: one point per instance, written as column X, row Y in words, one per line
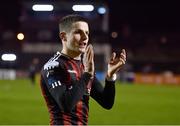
column 22, row 103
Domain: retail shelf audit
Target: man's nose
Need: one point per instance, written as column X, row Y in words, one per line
column 84, row 36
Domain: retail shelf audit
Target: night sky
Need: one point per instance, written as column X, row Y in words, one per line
column 141, row 16
column 146, row 16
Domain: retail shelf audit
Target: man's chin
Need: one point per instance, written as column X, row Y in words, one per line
column 82, row 50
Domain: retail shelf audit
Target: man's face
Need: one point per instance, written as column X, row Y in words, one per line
column 77, row 37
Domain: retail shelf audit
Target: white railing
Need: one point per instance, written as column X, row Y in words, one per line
column 7, row 74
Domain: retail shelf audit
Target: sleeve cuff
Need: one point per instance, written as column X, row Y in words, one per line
column 113, row 78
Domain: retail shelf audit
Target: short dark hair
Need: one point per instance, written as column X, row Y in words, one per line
column 66, row 22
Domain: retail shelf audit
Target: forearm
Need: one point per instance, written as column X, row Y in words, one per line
column 66, row 96
column 109, row 94
column 104, row 95
column 76, row 92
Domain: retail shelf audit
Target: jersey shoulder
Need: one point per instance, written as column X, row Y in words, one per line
column 54, row 62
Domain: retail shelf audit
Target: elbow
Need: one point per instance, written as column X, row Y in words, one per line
column 108, row 104
column 108, row 107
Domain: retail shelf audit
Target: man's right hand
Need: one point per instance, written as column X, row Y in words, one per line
column 88, row 60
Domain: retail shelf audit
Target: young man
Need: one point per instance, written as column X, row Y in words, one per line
column 68, row 78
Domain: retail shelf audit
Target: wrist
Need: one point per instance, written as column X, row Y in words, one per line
column 91, row 73
column 111, row 78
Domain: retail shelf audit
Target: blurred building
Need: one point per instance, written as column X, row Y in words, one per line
column 150, row 32
column 39, row 30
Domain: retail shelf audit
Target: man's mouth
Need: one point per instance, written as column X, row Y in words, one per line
column 82, row 44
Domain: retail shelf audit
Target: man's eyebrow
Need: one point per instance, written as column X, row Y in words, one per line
column 81, row 30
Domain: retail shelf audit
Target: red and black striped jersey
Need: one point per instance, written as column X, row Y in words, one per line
column 66, row 89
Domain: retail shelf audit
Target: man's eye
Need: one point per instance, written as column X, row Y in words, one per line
column 77, row 32
column 87, row 33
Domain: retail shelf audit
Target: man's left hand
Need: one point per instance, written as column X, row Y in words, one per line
column 116, row 63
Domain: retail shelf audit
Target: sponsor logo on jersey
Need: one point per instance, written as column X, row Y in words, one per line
column 72, row 71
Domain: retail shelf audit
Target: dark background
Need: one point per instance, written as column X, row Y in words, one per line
column 148, row 30
column 162, row 16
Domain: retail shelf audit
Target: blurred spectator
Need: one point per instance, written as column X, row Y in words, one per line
column 45, row 35
column 147, row 68
column 33, row 69
column 127, row 73
column 8, row 35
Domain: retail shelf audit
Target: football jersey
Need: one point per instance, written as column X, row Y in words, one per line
column 67, row 88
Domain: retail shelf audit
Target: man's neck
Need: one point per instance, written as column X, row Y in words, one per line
column 72, row 54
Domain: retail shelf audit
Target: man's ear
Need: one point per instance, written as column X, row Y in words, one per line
column 62, row 36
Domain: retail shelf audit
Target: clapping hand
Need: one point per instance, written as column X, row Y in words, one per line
column 116, row 63
column 88, row 60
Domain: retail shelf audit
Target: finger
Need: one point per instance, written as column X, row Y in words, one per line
column 90, row 52
column 86, row 55
column 119, row 64
column 122, row 58
column 123, row 61
column 123, row 54
column 113, row 56
column 90, row 47
column 124, row 51
column 87, row 48
column 92, row 56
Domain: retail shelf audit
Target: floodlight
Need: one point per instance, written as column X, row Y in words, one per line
column 101, row 10
column 83, row 7
column 42, row 7
column 20, row 36
column 8, row 57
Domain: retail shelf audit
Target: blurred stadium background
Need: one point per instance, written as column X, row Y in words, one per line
column 148, row 85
